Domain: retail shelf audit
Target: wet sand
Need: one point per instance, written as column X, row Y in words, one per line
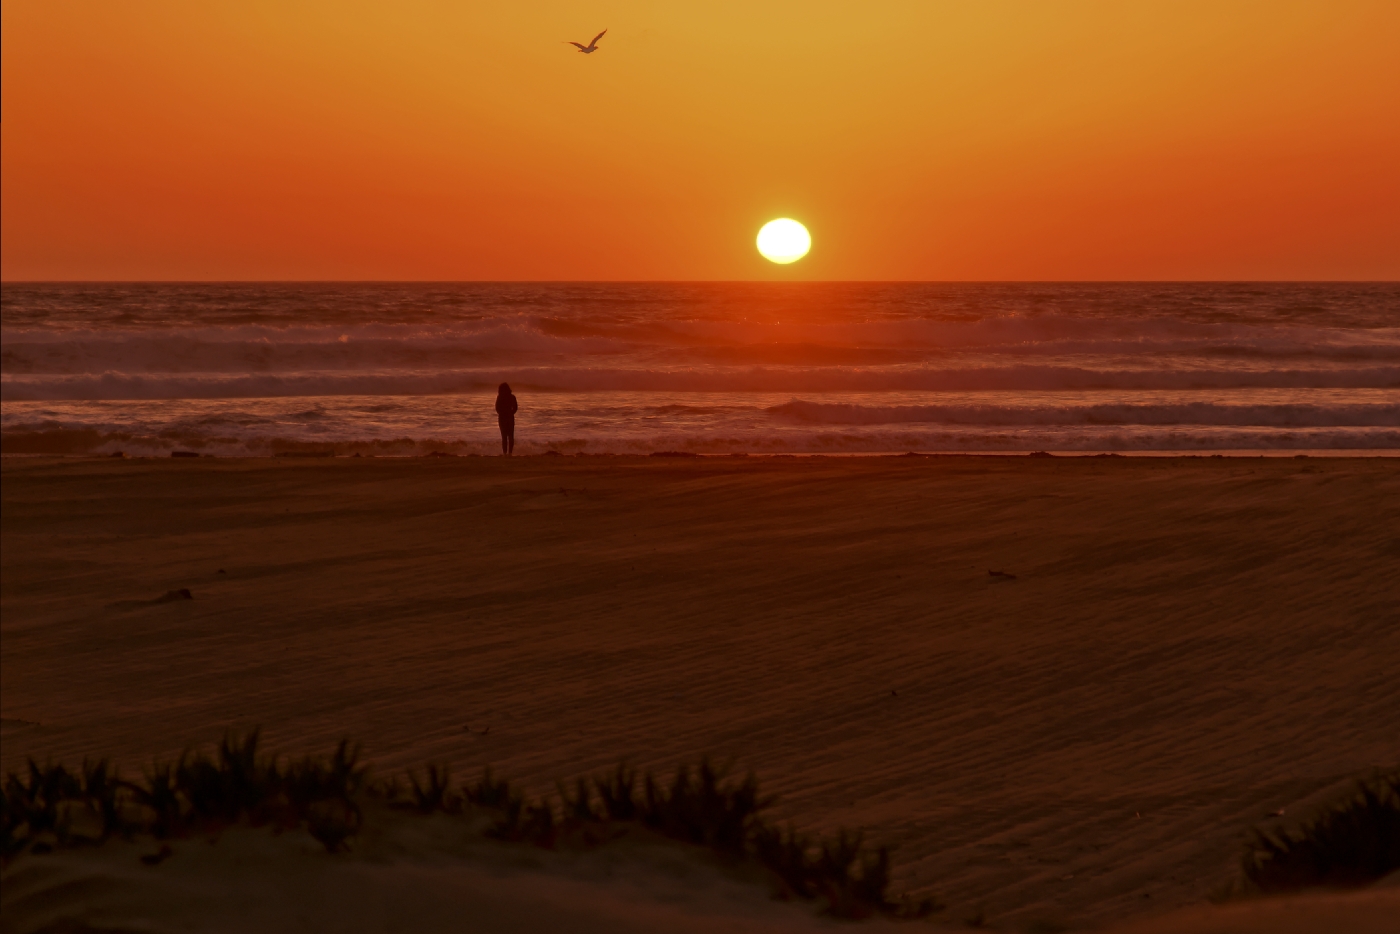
column 1185, row 645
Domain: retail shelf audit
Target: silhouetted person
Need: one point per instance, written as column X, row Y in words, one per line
column 506, row 407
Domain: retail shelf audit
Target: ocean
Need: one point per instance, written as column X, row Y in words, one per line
column 246, row 369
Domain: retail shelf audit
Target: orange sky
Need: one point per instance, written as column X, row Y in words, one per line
column 928, row 139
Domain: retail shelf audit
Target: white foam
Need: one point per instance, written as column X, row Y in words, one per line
column 641, row 422
column 1202, row 413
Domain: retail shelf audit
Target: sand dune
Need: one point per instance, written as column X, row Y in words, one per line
column 433, row 874
column 1186, row 647
column 1372, row 911
column 407, row 873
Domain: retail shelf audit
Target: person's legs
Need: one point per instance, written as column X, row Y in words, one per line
column 506, row 432
column 510, row 433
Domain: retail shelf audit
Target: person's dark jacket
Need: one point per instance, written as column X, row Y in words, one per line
column 506, row 406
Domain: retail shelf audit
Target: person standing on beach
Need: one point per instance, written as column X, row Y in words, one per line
column 506, row 407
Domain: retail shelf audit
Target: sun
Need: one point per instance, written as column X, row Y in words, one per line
column 784, row 240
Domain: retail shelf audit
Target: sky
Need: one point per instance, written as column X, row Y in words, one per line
column 917, row 139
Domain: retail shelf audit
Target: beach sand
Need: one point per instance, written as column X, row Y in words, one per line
column 1186, row 647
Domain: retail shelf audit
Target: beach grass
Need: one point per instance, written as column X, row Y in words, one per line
column 53, row 806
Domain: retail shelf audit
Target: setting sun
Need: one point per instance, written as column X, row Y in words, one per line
column 784, row 241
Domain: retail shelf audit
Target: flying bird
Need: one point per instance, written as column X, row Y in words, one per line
column 592, row 46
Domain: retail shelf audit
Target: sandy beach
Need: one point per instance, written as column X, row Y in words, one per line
column 1186, row 646
column 1175, row 649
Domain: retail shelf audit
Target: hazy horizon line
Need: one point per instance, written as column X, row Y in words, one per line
column 8, row 282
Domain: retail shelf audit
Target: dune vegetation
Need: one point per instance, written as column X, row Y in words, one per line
column 57, row 806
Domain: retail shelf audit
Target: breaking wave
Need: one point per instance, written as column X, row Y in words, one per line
column 1277, row 415
column 60, row 441
column 115, row 385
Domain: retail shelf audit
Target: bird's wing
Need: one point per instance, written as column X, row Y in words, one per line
column 599, row 36
column 579, row 44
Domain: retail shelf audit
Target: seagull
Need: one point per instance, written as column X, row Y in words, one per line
column 592, row 46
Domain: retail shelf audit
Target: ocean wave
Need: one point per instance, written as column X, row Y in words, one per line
column 536, row 341
column 117, row 385
column 154, row 306
column 89, row 441
column 1280, row 415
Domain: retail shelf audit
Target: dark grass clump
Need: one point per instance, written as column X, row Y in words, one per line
column 55, row 806
column 852, row 880
column 52, row 806
column 1353, row 843
column 434, row 793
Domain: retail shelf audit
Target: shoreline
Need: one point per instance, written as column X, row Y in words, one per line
column 1232, row 454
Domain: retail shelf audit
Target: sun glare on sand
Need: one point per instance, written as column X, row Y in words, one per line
column 784, row 240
